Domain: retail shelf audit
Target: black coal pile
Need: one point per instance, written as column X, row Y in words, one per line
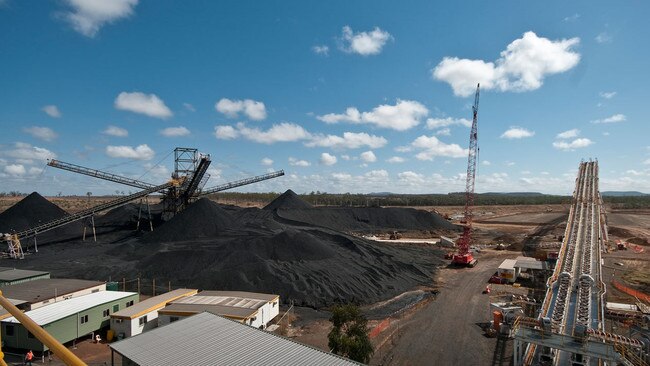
column 313, row 267
column 35, row 210
column 369, row 219
column 202, row 219
column 287, row 200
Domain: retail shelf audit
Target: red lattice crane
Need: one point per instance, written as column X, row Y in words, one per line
column 464, row 256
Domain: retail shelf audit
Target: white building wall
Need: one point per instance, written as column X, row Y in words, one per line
column 67, row 296
column 265, row 314
column 132, row 327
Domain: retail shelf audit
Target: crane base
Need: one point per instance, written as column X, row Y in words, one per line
column 465, row 260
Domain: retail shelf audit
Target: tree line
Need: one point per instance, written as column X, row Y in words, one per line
column 451, row 199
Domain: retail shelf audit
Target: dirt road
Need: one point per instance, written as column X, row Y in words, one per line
column 448, row 330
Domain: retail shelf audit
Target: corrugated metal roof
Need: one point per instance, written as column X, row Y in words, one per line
column 153, row 303
column 240, row 294
column 19, row 274
column 44, row 289
column 508, row 264
column 62, row 309
column 229, row 311
column 208, row 339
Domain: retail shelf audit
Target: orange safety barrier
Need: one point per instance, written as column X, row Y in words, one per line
column 638, row 294
column 379, row 328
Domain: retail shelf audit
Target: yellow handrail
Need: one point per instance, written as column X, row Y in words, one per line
column 57, row 348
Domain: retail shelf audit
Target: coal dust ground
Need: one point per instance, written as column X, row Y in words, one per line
column 305, row 254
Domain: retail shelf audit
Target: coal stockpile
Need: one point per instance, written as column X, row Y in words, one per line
column 202, row 219
column 368, row 219
column 35, row 210
column 216, row 247
column 312, row 267
column 287, row 200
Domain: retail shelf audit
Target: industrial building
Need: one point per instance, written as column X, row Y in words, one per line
column 11, row 276
column 144, row 315
column 67, row 320
column 209, row 339
column 507, row 270
column 48, row 291
column 250, row 308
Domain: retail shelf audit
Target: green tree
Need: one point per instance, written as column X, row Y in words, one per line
column 349, row 337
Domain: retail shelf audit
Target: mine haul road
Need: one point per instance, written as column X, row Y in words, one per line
column 447, row 331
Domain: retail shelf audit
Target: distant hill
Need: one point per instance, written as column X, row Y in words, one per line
column 623, row 193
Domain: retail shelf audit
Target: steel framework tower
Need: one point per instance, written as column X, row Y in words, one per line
column 464, row 256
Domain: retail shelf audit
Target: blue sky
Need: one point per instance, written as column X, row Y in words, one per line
column 344, row 96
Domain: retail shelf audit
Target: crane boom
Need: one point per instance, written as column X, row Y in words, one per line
column 464, row 256
column 242, row 182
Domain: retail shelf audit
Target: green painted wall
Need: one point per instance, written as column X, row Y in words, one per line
column 65, row 330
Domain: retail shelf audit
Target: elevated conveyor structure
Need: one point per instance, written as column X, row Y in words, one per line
column 573, row 307
column 242, row 182
column 15, row 249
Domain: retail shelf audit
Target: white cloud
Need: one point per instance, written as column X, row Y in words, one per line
column 15, row 170
column 296, row 162
column 396, row 160
column 435, row 123
column 486, row 162
column 88, row 16
column 27, row 153
column 569, row 134
column 521, row 67
column 570, row 146
column 52, row 111
column 364, row 43
column 175, row 131
column 368, row 157
column 634, row 172
column 147, row 104
column 215, row 173
column 225, row 132
column 345, row 157
column 349, row 140
column 604, row 37
column 351, row 115
column 43, row 133
column 607, row 95
column 432, row 147
column 376, row 175
column 572, row 18
column 283, row 132
column 321, row 50
column 266, row 162
column 189, row 107
column 517, row 133
column 327, row 159
column 115, row 131
column 140, row 152
column 411, row 178
column 647, row 162
column 402, row 116
column 613, row 119
column 444, row 132
column 254, row 110
column 158, row 172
